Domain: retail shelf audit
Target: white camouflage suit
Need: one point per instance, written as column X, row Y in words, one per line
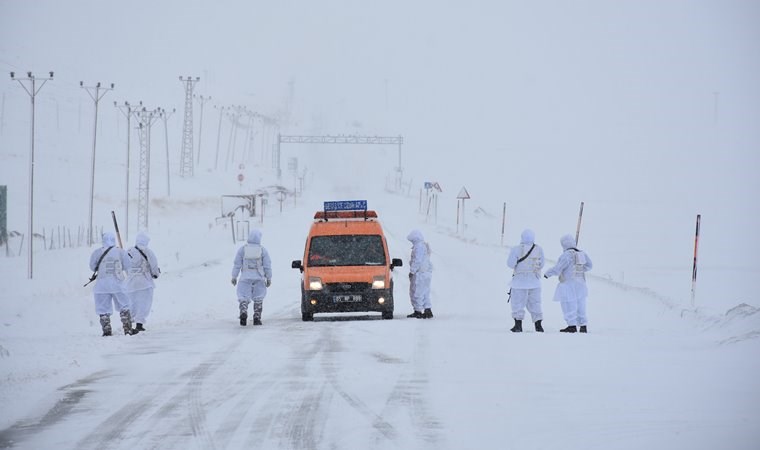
column 142, row 271
column 420, row 272
column 526, row 279
column 109, row 288
column 254, row 266
column 571, row 291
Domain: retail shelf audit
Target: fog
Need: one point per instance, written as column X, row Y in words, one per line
column 647, row 111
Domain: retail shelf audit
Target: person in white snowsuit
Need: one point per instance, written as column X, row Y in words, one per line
column 420, row 276
column 527, row 260
column 254, row 267
column 139, row 286
column 109, row 262
column 571, row 291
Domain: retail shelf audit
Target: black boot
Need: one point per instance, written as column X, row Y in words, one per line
column 539, row 328
column 415, row 315
column 569, row 329
column 126, row 322
column 584, row 329
column 518, row 327
column 243, row 319
column 257, row 308
column 428, row 314
column 139, row 327
column 105, row 323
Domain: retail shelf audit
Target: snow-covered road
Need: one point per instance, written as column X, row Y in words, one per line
column 644, row 377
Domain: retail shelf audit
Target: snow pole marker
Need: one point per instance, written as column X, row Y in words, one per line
column 116, row 227
column 503, row 221
column 578, row 227
column 463, row 195
column 694, row 268
column 458, row 216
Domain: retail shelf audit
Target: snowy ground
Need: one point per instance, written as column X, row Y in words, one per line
column 647, row 111
column 648, row 375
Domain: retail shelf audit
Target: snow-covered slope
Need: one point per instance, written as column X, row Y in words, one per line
column 649, row 373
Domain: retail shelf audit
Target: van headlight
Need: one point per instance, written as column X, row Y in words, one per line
column 378, row 282
column 315, row 283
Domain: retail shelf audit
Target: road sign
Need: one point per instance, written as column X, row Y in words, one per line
column 463, row 194
column 241, row 177
column 346, row 205
column 433, row 185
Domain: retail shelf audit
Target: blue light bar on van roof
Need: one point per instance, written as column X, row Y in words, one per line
column 346, row 205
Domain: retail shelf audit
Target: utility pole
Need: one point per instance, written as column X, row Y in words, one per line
column 165, row 115
column 145, row 119
column 2, row 116
column 32, row 90
column 186, row 158
column 241, row 110
column 127, row 110
column 248, row 135
column 96, row 94
column 218, row 135
column 202, row 100
column 233, row 116
column 399, row 169
column 250, row 152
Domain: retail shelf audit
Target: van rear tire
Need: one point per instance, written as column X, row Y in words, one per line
column 387, row 315
column 307, row 317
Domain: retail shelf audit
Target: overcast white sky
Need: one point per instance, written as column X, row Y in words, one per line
column 647, row 110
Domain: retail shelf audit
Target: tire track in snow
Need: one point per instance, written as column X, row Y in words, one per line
column 73, row 395
column 409, row 394
column 233, row 387
column 117, row 425
column 329, row 366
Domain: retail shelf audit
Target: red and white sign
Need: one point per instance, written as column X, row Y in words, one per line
column 463, row 194
column 240, row 177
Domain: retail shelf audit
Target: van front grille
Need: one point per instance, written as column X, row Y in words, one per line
column 347, row 287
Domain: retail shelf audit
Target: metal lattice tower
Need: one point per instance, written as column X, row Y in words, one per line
column 145, row 119
column 186, row 158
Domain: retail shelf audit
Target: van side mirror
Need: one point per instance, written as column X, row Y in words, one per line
column 296, row 265
column 396, row 262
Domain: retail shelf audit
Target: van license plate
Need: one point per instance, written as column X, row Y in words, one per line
column 347, row 298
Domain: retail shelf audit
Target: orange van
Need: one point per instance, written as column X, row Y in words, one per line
column 345, row 266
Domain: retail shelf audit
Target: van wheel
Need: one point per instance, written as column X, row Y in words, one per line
column 307, row 317
column 387, row 315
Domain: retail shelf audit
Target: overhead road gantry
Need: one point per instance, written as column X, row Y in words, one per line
column 339, row 139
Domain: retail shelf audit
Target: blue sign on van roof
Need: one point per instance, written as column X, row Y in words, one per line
column 346, row 205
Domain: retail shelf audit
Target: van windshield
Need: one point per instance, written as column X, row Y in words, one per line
column 347, row 250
